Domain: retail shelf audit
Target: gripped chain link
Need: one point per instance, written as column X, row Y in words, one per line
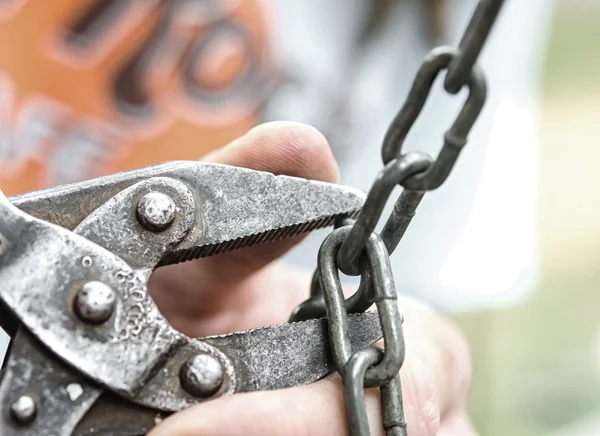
column 354, row 248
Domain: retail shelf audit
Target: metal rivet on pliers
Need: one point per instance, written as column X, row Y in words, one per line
column 23, row 410
column 156, row 211
column 95, row 302
column 202, row 375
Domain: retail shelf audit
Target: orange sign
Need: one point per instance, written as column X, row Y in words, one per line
column 94, row 87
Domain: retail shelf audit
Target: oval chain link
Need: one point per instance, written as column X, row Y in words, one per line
column 354, row 248
column 395, row 172
column 437, row 61
column 385, row 297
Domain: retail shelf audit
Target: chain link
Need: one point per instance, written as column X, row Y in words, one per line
column 397, row 171
column 354, row 247
column 454, row 140
column 385, row 297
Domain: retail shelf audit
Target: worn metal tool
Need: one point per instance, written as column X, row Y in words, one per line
column 91, row 354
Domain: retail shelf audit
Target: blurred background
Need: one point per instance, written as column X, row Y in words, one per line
column 537, row 362
column 537, row 365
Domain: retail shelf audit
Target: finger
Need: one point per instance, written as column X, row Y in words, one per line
column 200, row 289
column 431, row 392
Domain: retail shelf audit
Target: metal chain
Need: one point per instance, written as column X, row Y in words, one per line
column 354, row 248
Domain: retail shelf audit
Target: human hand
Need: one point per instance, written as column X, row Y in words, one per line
column 248, row 289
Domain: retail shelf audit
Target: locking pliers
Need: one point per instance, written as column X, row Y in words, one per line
column 90, row 352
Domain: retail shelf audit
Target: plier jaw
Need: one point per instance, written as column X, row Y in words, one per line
column 74, row 269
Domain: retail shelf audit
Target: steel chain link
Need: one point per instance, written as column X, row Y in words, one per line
column 354, row 248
